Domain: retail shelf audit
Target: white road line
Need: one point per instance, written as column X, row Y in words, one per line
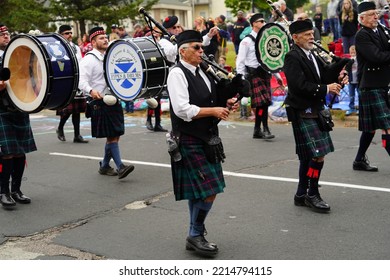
column 242, row 175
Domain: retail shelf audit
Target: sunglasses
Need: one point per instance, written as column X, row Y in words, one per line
column 195, row 47
column 176, row 27
column 260, row 20
column 68, row 33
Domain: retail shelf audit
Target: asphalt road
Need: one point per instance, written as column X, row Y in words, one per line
column 78, row 214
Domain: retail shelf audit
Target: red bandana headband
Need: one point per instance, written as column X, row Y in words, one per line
column 3, row 28
column 99, row 32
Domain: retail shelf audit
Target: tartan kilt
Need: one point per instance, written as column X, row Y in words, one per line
column 106, row 121
column 16, row 136
column 374, row 112
column 310, row 141
column 77, row 105
column 194, row 177
column 260, row 92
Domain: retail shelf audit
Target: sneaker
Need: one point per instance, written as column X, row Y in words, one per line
column 125, row 170
column 109, row 171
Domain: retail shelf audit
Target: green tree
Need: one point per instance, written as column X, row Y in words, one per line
column 246, row 5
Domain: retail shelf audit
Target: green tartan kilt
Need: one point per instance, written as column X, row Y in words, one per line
column 310, row 141
column 16, row 136
column 106, row 121
column 194, row 177
column 374, row 112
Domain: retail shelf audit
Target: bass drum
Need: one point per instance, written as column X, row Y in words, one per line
column 44, row 72
column 135, row 68
column 272, row 45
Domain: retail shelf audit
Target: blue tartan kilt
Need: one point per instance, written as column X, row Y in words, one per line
column 310, row 141
column 374, row 112
column 106, row 121
column 194, row 177
column 16, row 136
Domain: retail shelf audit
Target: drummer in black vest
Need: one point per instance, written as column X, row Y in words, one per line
column 78, row 104
column 308, row 83
column 196, row 109
column 248, row 65
column 16, row 140
column 373, row 57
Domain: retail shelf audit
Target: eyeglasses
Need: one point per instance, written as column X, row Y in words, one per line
column 4, row 34
column 68, row 33
column 195, row 47
column 176, row 27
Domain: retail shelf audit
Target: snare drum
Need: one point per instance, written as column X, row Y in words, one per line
column 44, row 72
column 135, row 68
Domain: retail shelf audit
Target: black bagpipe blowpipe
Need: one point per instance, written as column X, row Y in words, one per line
column 156, row 23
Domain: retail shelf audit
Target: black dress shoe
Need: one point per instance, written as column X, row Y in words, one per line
column 60, row 135
column 317, row 203
column 125, row 170
column 299, row 200
column 20, row 197
column 200, row 245
column 149, row 125
column 7, row 201
column 267, row 134
column 79, row 139
column 257, row 134
column 159, row 128
column 364, row 165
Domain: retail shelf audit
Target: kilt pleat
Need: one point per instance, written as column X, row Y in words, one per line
column 260, row 92
column 106, row 121
column 77, row 105
column 310, row 141
column 374, row 112
column 194, row 177
column 16, row 136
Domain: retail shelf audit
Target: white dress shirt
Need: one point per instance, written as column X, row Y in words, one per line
column 178, row 92
column 91, row 73
column 247, row 55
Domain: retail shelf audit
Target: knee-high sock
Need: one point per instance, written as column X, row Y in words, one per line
column 303, row 183
column 200, row 209
column 107, row 156
column 364, row 143
column 264, row 117
column 258, row 116
column 314, row 173
column 6, row 166
column 17, row 173
column 386, row 142
column 76, row 123
column 191, row 210
column 115, row 153
column 149, row 114
column 63, row 120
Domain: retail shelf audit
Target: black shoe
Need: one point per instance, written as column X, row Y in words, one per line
column 200, row 245
column 317, row 203
column 258, row 134
column 79, row 139
column 109, row 171
column 267, row 134
column 125, row 170
column 7, row 201
column 20, row 197
column 299, row 200
column 60, row 135
column 364, row 165
column 159, row 128
column 149, row 125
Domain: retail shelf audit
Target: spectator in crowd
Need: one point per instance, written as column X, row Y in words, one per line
column 349, row 25
column 138, row 32
column 353, row 82
column 123, row 33
column 317, row 18
column 333, row 18
column 84, row 45
column 286, row 11
column 238, row 27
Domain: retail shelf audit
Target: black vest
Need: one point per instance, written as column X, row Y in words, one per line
column 199, row 95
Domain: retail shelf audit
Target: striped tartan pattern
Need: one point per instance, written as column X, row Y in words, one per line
column 106, row 121
column 310, row 141
column 374, row 112
column 77, row 105
column 260, row 92
column 16, row 136
column 194, row 177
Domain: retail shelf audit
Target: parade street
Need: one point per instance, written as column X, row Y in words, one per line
column 77, row 213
